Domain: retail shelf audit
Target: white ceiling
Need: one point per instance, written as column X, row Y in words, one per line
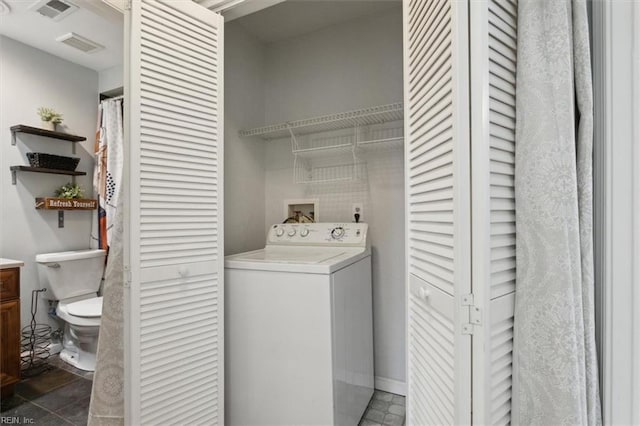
column 100, row 23
column 93, row 20
column 296, row 17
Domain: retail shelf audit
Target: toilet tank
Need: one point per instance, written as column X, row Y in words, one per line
column 70, row 273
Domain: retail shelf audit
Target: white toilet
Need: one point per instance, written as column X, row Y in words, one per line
column 73, row 279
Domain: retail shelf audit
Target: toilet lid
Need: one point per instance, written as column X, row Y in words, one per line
column 86, row 308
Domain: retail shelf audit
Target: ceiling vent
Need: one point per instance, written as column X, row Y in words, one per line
column 81, row 43
column 54, row 9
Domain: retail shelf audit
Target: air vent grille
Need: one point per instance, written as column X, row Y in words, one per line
column 54, row 9
column 58, row 5
column 81, row 43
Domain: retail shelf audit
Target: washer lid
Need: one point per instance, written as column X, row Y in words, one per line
column 89, row 308
column 312, row 260
column 291, row 255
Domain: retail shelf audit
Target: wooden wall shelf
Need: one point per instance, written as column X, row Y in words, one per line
column 15, row 169
column 21, row 128
column 53, row 203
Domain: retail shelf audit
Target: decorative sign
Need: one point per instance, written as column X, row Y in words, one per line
column 66, row 204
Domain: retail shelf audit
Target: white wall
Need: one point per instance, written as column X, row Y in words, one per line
column 111, row 78
column 348, row 66
column 244, row 189
column 30, row 78
column 635, row 395
column 616, row 36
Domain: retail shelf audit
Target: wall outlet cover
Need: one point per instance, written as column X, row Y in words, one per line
column 356, row 208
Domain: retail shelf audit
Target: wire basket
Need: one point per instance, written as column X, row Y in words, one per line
column 36, row 339
column 50, row 161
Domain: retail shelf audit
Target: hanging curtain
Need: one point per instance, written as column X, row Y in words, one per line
column 555, row 365
column 107, row 398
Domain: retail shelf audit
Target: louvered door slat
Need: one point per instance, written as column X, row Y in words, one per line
column 432, row 39
column 493, row 83
column 437, row 188
column 419, row 15
column 175, row 221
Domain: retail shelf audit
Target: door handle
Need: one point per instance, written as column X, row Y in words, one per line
column 425, row 293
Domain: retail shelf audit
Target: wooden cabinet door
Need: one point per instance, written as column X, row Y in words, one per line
column 9, row 342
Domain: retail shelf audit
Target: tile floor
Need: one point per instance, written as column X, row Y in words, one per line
column 60, row 397
column 57, row 362
column 384, row 409
column 57, row 397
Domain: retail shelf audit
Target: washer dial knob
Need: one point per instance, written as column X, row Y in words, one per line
column 279, row 232
column 304, row 232
column 337, row 232
column 292, row 232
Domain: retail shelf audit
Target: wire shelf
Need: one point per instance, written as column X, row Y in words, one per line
column 326, row 148
column 361, row 117
column 388, row 135
column 327, row 174
column 321, row 152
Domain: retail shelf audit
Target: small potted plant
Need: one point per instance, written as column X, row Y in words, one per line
column 70, row 191
column 49, row 118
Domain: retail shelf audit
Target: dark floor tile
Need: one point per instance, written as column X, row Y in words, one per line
column 52, row 420
column 374, row 415
column 398, row 410
column 379, row 405
column 65, row 395
column 384, row 408
column 76, row 413
column 393, row 420
column 24, row 413
column 11, row 402
column 382, row 396
column 57, row 362
column 398, row 400
column 46, row 382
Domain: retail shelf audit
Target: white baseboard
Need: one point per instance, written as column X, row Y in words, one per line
column 391, row 386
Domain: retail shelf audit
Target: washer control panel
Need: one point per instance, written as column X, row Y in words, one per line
column 319, row 234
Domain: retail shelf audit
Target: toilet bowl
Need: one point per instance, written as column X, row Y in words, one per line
column 72, row 279
column 82, row 326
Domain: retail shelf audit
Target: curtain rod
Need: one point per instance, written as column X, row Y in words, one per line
column 113, row 99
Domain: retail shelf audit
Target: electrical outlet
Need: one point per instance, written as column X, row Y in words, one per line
column 356, row 208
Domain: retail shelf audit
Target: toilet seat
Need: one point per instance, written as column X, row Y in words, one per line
column 73, row 312
column 88, row 308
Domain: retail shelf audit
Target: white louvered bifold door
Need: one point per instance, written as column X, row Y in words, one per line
column 174, row 365
column 493, row 71
column 438, row 211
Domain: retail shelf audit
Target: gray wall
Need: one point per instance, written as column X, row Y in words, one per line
column 111, row 79
column 244, row 191
column 30, row 78
column 348, row 66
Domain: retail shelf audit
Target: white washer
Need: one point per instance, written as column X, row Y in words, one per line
column 298, row 328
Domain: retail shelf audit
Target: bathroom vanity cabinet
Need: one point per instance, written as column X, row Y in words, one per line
column 9, row 325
